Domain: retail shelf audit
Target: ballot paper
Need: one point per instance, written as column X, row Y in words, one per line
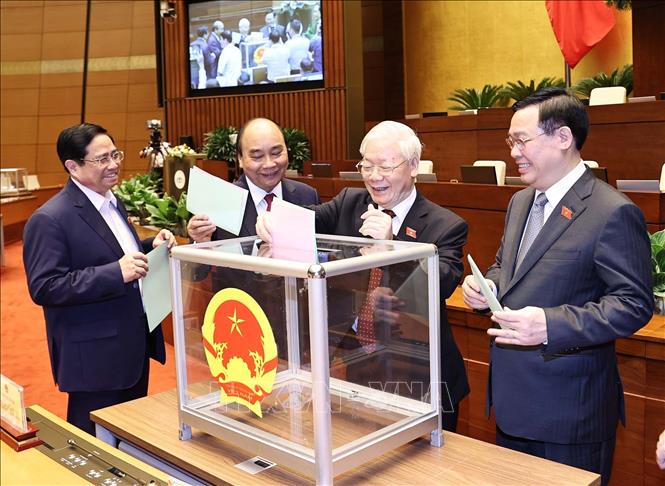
column 292, row 231
column 157, row 287
column 223, row 202
column 484, row 287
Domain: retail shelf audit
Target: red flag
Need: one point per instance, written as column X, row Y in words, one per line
column 579, row 25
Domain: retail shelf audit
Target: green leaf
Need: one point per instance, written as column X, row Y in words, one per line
column 619, row 77
column 470, row 99
column 297, row 146
column 217, row 144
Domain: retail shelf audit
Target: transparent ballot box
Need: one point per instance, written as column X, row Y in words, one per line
column 318, row 361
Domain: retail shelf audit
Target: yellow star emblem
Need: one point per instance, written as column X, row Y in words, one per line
column 234, row 319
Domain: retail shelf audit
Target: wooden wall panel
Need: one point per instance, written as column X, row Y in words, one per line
column 320, row 113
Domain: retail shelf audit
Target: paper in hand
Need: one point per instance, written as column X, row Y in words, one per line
column 157, row 287
column 484, row 287
column 293, row 232
column 223, row 202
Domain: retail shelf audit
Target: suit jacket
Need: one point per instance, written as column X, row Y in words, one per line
column 265, row 30
column 292, row 191
column 590, row 269
column 432, row 224
column 95, row 324
column 214, row 47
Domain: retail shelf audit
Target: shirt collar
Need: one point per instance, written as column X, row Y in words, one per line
column 559, row 189
column 402, row 209
column 258, row 194
column 95, row 198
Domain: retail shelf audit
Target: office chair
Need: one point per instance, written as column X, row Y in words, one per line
column 499, row 168
column 425, row 167
column 614, row 95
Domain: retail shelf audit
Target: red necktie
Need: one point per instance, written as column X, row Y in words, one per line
column 269, row 198
column 366, row 334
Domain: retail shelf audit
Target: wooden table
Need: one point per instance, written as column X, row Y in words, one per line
column 151, row 423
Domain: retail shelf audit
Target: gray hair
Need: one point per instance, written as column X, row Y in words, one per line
column 392, row 131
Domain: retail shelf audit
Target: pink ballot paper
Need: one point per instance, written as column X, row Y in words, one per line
column 293, row 230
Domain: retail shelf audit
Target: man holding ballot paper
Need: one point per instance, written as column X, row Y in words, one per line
column 263, row 157
column 389, row 208
column 573, row 274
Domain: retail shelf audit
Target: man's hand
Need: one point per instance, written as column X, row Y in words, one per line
column 660, row 450
column 200, row 228
column 164, row 236
column 133, row 266
column 264, row 226
column 377, row 224
column 524, row 327
column 472, row 295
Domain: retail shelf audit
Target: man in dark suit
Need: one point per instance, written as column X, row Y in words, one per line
column 214, row 48
column 84, row 263
column 568, row 290
column 263, row 157
column 271, row 24
column 391, row 152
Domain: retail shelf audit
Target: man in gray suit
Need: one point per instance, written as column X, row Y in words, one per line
column 573, row 274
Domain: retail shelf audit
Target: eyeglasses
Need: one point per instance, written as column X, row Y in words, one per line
column 366, row 169
column 116, row 156
column 520, row 143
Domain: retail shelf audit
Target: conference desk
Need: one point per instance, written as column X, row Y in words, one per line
column 628, row 139
column 16, row 210
column 483, row 207
column 151, row 424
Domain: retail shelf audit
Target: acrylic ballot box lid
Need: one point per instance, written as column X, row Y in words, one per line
column 272, row 356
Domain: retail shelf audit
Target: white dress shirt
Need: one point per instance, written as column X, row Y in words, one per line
column 401, row 210
column 259, row 194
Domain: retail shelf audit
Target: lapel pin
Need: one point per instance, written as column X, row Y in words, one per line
column 566, row 213
column 410, row 232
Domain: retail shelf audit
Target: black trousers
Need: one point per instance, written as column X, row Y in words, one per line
column 595, row 456
column 80, row 404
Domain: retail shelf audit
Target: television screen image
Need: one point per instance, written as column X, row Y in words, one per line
column 240, row 46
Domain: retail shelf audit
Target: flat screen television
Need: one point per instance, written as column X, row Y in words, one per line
column 254, row 46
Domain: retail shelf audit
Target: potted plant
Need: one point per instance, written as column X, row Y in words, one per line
column 518, row 91
column 298, row 148
column 658, row 269
column 619, row 77
column 137, row 192
column 220, row 144
column 470, row 99
column 170, row 214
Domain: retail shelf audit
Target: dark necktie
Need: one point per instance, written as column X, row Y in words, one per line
column 532, row 228
column 269, row 198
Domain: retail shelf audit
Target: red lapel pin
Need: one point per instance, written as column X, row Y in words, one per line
column 410, row 232
column 566, row 213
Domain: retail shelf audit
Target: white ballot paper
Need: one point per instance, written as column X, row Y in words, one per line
column 484, row 288
column 223, row 202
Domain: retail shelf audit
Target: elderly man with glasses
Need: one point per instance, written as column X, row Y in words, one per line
column 84, row 263
column 390, row 208
column 573, row 273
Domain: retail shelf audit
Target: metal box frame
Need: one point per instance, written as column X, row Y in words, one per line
column 323, row 462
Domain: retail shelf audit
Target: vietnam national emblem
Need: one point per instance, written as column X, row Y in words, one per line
column 240, row 348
